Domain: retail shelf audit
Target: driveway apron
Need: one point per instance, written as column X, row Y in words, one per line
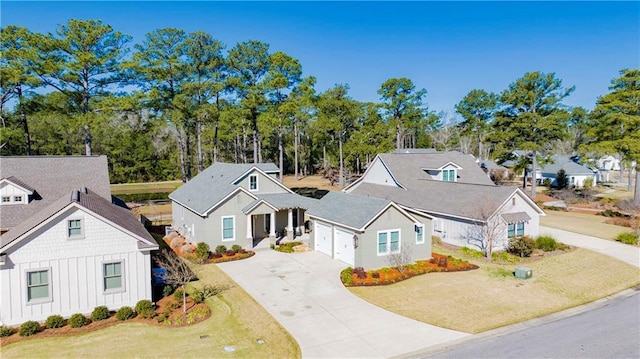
column 620, row 251
column 304, row 293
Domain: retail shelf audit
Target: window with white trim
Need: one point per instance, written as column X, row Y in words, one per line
column 38, row 286
column 74, row 228
column 419, row 234
column 17, row 199
column 112, row 277
column 515, row 230
column 228, row 228
column 6, row 199
column 449, row 175
column 253, row 182
column 388, row 242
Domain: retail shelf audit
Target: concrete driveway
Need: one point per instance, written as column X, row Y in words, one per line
column 304, row 293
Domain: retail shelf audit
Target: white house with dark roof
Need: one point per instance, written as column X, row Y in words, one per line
column 73, row 249
column 464, row 205
column 576, row 172
column 366, row 231
column 229, row 204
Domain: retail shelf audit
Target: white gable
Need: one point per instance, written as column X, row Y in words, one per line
column 12, row 194
column 376, row 173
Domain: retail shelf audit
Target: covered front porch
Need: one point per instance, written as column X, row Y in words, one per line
column 278, row 216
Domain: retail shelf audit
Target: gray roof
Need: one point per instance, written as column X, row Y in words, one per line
column 491, row 165
column 214, row 184
column 348, row 209
column 282, row 201
column 18, row 182
column 566, row 163
column 408, row 167
column 92, row 202
column 51, row 177
column 448, row 198
column 516, row 217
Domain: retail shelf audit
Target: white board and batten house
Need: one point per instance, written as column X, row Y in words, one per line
column 237, row 204
column 453, row 189
column 74, row 249
column 366, row 231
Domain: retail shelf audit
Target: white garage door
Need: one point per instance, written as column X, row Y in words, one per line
column 322, row 238
column 343, row 249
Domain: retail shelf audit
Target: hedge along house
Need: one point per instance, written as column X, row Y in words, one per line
column 368, row 232
column 242, row 204
column 72, row 250
column 465, row 205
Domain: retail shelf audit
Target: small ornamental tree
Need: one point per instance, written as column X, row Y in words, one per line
column 178, row 273
column 562, row 181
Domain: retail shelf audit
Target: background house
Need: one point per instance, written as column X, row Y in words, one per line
column 367, row 232
column 576, row 172
column 464, row 210
column 229, row 204
column 73, row 249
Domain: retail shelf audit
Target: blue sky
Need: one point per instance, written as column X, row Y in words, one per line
column 448, row 48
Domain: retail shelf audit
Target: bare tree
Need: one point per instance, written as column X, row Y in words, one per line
column 487, row 230
column 178, row 273
column 401, row 259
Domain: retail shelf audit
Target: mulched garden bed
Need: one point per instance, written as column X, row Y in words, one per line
column 228, row 256
column 169, row 313
column 352, row 277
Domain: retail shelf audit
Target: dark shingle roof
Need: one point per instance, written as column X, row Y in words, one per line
column 566, row 163
column 348, row 209
column 213, row 184
column 51, row 177
column 449, row 198
column 407, row 167
column 92, row 202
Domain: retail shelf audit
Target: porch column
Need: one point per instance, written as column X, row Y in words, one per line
column 272, row 227
column 290, row 221
column 249, row 232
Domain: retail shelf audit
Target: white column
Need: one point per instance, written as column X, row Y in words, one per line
column 272, row 221
column 290, row 221
column 249, row 234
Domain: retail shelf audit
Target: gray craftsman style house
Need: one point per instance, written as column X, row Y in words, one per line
column 467, row 208
column 577, row 173
column 368, row 232
column 67, row 247
column 241, row 204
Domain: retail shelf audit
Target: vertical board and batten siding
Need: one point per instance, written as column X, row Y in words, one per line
column 75, row 270
column 531, row 227
column 266, row 184
column 8, row 189
column 366, row 255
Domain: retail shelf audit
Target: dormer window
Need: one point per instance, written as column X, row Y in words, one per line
column 6, row 199
column 449, row 175
column 253, row 183
column 17, row 199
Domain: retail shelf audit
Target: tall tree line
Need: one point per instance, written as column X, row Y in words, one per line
column 169, row 106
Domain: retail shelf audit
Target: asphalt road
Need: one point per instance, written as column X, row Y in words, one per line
column 609, row 331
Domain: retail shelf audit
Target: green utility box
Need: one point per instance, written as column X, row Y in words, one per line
column 524, row 272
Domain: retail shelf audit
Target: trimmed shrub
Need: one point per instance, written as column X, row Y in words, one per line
column 627, row 238
column 178, row 294
column 346, row 277
column 202, row 251
column 29, row 328
column 6, row 331
column 236, row 248
column 547, row 243
column 100, row 313
column 360, row 272
column 125, row 313
column 78, row 321
column 54, row 321
column 522, row 246
column 229, row 253
column 167, row 290
column 221, row 249
column 145, row 309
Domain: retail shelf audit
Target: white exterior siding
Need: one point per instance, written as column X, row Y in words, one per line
column 75, row 270
column 11, row 191
column 376, row 173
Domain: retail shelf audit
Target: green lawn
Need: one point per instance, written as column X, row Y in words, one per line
column 151, row 187
column 582, row 223
column 237, row 321
column 491, row 297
